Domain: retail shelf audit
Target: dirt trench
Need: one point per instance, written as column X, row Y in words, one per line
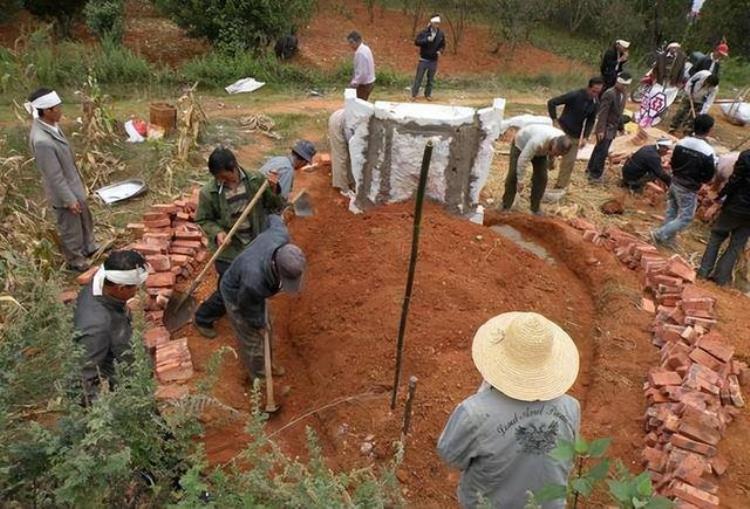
column 337, row 339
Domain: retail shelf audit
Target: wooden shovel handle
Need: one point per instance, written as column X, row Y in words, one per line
column 227, row 239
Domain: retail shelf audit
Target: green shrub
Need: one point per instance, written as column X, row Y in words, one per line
column 61, row 12
column 113, row 63
column 238, row 25
column 106, row 19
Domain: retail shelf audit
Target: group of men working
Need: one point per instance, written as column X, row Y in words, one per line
column 431, row 43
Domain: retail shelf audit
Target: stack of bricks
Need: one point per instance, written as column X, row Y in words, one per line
column 175, row 249
column 709, row 205
column 695, row 391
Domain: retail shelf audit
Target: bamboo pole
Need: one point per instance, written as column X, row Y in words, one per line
column 412, row 267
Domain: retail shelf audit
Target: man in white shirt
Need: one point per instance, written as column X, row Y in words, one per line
column 364, row 66
column 534, row 144
column 700, row 93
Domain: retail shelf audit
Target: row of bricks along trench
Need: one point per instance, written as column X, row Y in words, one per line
column 694, row 393
column 175, row 249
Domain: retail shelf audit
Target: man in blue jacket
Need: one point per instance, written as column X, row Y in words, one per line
column 431, row 42
column 268, row 266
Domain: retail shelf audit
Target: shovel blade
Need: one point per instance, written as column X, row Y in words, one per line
column 303, row 205
column 179, row 311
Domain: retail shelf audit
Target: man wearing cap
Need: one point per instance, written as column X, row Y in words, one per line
column 577, row 121
column 431, row 42
column 501, row 437
column 283, row 167
column 733, row 223
column 608, row 124
column 700, row 93
column 535, row 144
column 221, row 202
column 271, row 264
column 645, row 166
column 613, row 62
column 63, row 186
column 364, row 66
column 693, row 164
column 712, row 61
column 102, row 320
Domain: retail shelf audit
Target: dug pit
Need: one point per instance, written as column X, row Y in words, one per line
column 337, row 339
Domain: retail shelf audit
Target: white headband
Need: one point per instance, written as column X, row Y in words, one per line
column 436, row 19
column 622, row 81
column 135, row 277
column 42, row 103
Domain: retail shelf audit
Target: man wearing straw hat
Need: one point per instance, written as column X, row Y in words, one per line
column 102, row 320
column 500, row 438
column 63, row 186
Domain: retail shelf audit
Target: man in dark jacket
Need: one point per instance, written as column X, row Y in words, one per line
column 608, row 124
column 645, row 166
column 221, row 202
column 431, row 42
column 693, row 164
column 733, row 222
column 271, row 264
column 577, row 122
column 102, row 321
column 712, row 61
column 669, row 68
column 613, row 62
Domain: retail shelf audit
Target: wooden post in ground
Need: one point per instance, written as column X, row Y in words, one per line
column 412, row 267
column 407, row 409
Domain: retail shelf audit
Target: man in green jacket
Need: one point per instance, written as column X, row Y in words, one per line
column 221, row 202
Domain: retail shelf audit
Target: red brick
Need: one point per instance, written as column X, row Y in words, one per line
column 700, row 432
column 716, row 347
column 705, row 359
column 691, row 445
column 661, row 377
column 696, row 320
column 183, row 216
column 188, row 235
column 187, row 251
column 155, row 337
column 648, row 305
column 719, row 465
column 700, row 498
column 68, row 296
column 157, row 238
column 160, row 280
column 691, row 470
column 136, row 228
column 734, row 391
column 155, row 317
column 654, row 459
column 161, row 223
column 165, row 208
column 202, row 255
column 155, row 216
column 160, row 263
column 178, row 259
column 86, row 277
column 678, row 267
column 166, row 292
column 149, row 248
column 194, row 244
column 173, row 361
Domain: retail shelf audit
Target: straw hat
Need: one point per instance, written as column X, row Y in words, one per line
column 525, row 356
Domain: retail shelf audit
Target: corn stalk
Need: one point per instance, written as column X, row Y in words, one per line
column 191, row 124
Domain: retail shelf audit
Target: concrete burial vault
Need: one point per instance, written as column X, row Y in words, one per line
column 388, row 140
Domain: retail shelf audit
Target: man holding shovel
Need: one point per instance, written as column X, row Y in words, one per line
column 700, row 93
column 221, row 203
column 577, row 122
column 270, row 265
column 281, row 168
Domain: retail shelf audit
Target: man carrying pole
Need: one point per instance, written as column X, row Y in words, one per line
column 220, row 204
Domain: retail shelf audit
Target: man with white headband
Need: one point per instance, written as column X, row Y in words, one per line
column 613, row 62
column 645, row 166
column 431, row 42
column 61, row 179
column 102, row 320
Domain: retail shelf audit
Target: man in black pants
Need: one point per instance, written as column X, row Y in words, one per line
column 431, row 42
column 221, row 202
column 733, row 222
column 645, row 166
column 608, row 123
